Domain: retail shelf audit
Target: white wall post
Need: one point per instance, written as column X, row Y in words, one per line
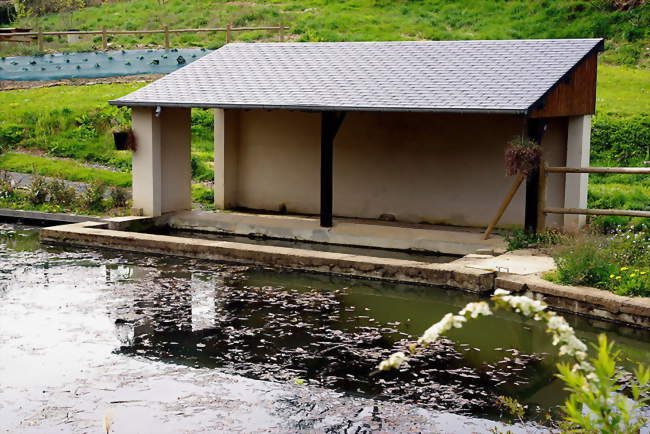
column 576, row 184
column 162, row 174
column 226, row 148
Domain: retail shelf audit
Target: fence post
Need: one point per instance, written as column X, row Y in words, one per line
column 40, row 39
column 541, row 199
column 166, row 37
column 104, row 39
column 228, row 27
column 281, row 33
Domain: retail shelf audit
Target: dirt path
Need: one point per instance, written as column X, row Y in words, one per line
column 13, row 85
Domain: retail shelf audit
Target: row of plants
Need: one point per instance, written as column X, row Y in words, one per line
column 55, row 195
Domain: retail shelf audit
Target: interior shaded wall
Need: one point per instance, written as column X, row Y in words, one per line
column 418, row 167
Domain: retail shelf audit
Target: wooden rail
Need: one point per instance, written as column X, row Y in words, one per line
column 543, row 210
column 38, row 35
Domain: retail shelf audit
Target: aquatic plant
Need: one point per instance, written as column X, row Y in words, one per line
column 596, row 403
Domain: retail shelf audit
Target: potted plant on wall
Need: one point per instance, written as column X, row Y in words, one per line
column 124, row 139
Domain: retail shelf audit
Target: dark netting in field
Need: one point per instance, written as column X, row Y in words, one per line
column 96, row 64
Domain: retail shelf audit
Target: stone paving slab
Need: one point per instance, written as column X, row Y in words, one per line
column 515, row 264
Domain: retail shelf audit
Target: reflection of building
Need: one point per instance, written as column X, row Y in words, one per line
column 420, row 127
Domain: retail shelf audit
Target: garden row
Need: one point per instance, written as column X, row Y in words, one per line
column 55, row 195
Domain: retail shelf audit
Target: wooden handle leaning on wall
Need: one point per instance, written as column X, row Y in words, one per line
column 504, row 205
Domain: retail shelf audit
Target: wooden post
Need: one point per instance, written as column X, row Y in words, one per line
column 166, row 37
column 281, row 32
column 504, row 205
column 228, row 27
column 104, row 39
column 40, row 39
column 536, row 129
column 541, row 198
column 330, row 124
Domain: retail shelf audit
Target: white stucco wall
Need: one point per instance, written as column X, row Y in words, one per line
column 419, row 167
column 162, row 173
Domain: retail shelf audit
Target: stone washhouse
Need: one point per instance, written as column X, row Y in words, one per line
column 413, row 132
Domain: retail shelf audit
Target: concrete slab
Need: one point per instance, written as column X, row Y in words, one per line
column 448, row 274
column 352, row 232
column 515, row 264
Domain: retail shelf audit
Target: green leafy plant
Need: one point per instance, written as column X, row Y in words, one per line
column 37, row 191
column 61, row 194
column 584, row 262
column 597, row 403
column 92, row 198
column 519, row 239
column 119, row 198
column 631, row 281
column 7, row 187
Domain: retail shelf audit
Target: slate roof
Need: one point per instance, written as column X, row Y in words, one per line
column 443, row 76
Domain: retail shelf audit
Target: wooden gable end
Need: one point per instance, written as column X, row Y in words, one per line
column 574, row 95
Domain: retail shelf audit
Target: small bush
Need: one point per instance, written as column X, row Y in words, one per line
column 200, row 170
column 119, row 197
column 621, row 141
column 11, row 135
column 38, row 191
column 60, row 194
column 92, row 199
column 585, row 262
column 631, row 281
column 202, row 195
column 519, row 239
column 7, row 187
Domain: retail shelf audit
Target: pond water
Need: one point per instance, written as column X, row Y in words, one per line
column 96, row 64
column 322, row 331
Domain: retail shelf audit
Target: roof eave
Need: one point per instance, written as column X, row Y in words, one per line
column 316, row 108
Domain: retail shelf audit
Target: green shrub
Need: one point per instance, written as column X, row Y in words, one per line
column 92, row 199
column 631, row 281
column 585, row 262
column 11, row 135
column 7, row 187
column 518, row 239
column 60, row 194
column 38, row 191
column 119, row 197
column 202, row 195
column 620, row 141
column 200, row 170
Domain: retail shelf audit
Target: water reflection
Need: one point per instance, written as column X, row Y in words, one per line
column 325, row 330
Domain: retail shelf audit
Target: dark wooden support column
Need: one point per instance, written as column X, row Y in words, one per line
column 330, row 124
column 536, row 129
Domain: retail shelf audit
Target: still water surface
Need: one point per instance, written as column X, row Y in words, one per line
column 296, row 327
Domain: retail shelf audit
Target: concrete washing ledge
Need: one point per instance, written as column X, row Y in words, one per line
column 93, row 234
column 460, row 274
column 586, row 301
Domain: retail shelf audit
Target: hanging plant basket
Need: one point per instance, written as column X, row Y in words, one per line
column 121, row 138
column 522, row 156
column 124, row 140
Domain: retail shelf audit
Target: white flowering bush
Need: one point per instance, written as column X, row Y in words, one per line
column 597, row 403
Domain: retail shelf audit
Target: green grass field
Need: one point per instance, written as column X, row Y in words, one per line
column 627, row 32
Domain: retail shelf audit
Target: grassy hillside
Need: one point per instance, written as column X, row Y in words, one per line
column 627, row 32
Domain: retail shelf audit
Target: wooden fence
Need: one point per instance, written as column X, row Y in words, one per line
column 542, row 209
column 39, row 35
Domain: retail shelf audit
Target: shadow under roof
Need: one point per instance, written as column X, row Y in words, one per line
column 503, row 76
